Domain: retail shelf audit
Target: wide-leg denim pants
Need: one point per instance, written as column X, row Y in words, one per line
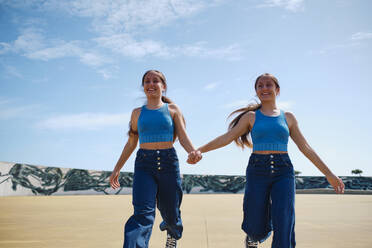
column 156, row 181
column 269, row 199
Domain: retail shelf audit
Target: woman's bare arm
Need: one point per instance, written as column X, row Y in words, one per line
column 244, row 125
column 127, row 150
column 306, row 149
column 184, row 139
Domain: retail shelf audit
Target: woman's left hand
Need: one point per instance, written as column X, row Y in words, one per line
column 194, row 157
column 336, row 183
column 114, row 179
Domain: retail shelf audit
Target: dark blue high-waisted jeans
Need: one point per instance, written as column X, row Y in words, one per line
column 156, row 181
column 269, row 199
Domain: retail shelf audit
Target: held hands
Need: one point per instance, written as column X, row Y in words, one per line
column 336, row 183
column 194, row 157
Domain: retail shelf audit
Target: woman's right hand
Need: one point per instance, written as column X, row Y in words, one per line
column 114, row 179
column 336, row 183
column 194, row 157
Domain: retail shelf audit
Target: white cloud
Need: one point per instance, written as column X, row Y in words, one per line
column 107, row 73
column 12, row 71
column 291, row 5
column 30, row 39
column 12, row 112
column 231, row 52
column 4, row 101
column 210, row 86
column 355, row 41
column 65, row 49
column 334, row 48
column 110, row 17
column 9, row 112
column 120, row 16
column 118, row 24
column 20, row 3
column 87, row 121
column 285, row 105
column 4, row 47
column 93, row 59
column 124, row 44
column 236, row 104
column 43, row 79
column 32, row 44
column 361, row 36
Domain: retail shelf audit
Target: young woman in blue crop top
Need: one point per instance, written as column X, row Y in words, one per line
column 156, row 179
column 270, row 181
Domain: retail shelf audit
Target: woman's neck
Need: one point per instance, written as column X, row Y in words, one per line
column 154, row 103
column 269, row 107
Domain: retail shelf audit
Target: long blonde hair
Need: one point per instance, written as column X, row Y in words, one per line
column 244, row 139
column 163, row 99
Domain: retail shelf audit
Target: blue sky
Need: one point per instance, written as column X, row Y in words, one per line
column 70, row 75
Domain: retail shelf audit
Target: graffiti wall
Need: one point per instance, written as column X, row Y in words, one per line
column 24, row 179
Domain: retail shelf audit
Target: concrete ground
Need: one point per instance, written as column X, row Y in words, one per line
column 210, row 221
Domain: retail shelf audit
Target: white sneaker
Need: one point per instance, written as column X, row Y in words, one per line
column 250, row 244
column 171, row 242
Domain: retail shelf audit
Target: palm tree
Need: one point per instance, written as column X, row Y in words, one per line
column 357, row 172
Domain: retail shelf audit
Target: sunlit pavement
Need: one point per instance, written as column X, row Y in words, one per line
column 209, row 221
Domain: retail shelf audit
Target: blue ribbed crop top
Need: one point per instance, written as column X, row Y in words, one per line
column 155, row 125
column 270, row 133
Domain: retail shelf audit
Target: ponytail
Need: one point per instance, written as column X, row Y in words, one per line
column 166, row 99
column 131, row 132
column 243, row 140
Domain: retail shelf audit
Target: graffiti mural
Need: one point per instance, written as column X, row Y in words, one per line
column 215, row 184
column 24, row 179
column 49, row 180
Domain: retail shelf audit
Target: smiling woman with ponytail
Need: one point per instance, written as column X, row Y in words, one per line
column 243, row 140
column 252, row 107
column 156, row 179
column 164, row 99
column 270, row 182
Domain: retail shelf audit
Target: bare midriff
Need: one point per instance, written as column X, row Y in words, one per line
column 268, row 152
column 157, row 145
